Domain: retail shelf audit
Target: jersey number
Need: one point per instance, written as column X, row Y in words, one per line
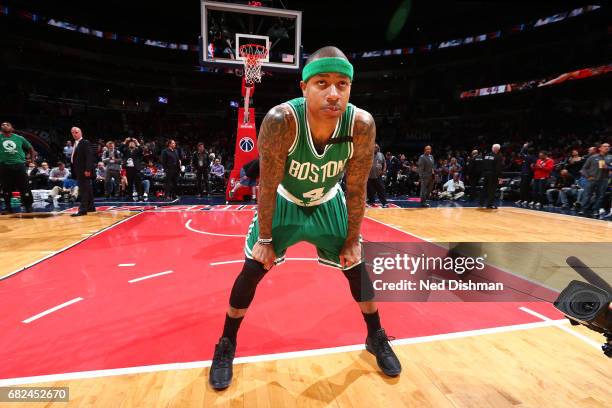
column 315, row 194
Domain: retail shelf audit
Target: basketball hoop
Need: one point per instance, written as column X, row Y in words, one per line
column 253, row 55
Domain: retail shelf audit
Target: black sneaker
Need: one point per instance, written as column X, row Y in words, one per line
column 385, row 357
column 220, row 376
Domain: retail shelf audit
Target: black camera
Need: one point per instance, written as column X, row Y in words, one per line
column 588, row 305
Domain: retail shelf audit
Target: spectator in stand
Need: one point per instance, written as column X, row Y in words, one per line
column 393, row 168
column 58, row 175
column 31, row 170
column 123, row 183
column 111, row 157
column 40, row 179
column 100, row 148
column 44, row 169
column 172, row 166
column 148, row 172
column 590, row 151
column 453, row 188
column 453, row 167
column 200, row 165
column 217, row 175
column 440, row 174
column 147, row 154
column 413, row 180
column 574, row 163
column 541, row 173
column 68, row 150
column 579, row 191
column 528, row 162
column 596, row 169
column 217, row 169
column 564, row 185
column 100, row 181
column 473, row 172
column 132, row 161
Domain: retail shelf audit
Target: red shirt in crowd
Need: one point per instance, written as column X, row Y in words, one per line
column 543, row 168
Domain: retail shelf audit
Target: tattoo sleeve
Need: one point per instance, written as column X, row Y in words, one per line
column 357, row 171
column 276, row 135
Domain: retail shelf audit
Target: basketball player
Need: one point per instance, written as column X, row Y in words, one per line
column 305, row 145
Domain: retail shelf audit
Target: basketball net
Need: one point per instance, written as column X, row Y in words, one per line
column 253, row 55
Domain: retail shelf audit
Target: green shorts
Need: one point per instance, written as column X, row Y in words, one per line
column 325, row 226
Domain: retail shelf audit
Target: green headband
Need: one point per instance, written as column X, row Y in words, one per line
column 328, row 64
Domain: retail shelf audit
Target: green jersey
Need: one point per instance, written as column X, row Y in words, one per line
column 13, row 149
column 312, row 178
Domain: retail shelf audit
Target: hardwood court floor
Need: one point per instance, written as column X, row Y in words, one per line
column 506, row 224
column 27, row 238
column 533, row 365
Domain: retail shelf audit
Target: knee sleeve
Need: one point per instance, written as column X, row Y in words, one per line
column 245, row 284
column 360, row 283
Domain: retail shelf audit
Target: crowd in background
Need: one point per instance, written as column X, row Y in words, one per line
column 567, row 172
column 575, row 176
column 133, row 168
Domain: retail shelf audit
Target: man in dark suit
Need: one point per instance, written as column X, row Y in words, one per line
column 171, row 163
column 426, row 175
column 83, row 165
column 200, row 165
column 491, row 170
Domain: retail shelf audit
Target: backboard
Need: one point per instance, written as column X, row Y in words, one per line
column 227, row 26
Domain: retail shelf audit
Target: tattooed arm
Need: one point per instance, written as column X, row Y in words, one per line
column 357, row 171
column 276, row 136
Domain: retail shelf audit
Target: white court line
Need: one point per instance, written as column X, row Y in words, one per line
column 71, row 245
column 188, row 226
column 171, row 209
column 242, row 260
column 53, row 309
column 131, row 203
column 149, row 276
column 574, row 216
column 581, row 336
column 266, row 357
column 127, row 264
column 397, row 229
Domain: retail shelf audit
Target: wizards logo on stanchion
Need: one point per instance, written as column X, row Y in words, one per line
column 246, row 144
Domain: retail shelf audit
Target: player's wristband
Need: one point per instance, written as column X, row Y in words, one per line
column 264, row 241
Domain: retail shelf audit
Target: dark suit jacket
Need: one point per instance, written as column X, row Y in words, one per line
column 170, row 160
column 83, row 159
column 425, row 166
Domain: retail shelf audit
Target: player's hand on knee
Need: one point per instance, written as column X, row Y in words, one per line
column 264, row 254
column 350, row 254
